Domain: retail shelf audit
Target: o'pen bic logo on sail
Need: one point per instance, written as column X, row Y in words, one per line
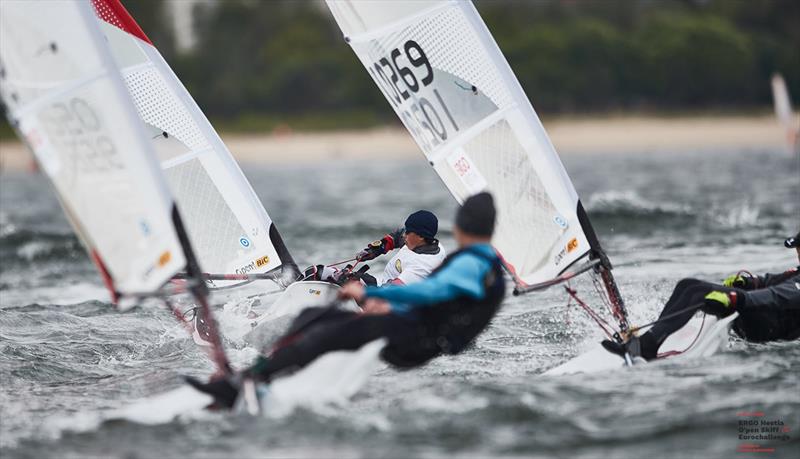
column 253, row 265
column 571, row 246
column 163, row 260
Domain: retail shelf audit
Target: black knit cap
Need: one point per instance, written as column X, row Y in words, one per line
column 424, row 223
column 476, row 216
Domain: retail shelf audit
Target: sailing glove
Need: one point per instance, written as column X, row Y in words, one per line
column 719, row 304
column 362, row 275
column 369, row 279
column 736, row 281
column 384, row 245
column 320, row 273
column 347, row 274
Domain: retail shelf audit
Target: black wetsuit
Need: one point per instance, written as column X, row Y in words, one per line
column 447, row 327
column 768, row 307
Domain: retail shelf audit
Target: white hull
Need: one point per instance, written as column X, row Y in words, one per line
column 332, row 379
column 701, row 337
column 274, row 319
column 337, row 376
column 298, row 296
column 162, row 408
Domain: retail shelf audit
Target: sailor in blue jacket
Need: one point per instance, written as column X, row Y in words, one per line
column 442, row 314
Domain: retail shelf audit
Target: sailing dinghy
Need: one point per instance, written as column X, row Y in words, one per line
column 235, row 239
column 67, row 101
column 444, row 75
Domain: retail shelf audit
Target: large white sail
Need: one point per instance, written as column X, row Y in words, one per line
column 783, row 111
column 781, row 100
column 228, row 226
column 444, row 75
column 67, row 101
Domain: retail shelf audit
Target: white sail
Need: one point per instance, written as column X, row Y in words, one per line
column 228, row 226
column 444, row 75
column 783, row 110
column 783, row 105
column 66, row 99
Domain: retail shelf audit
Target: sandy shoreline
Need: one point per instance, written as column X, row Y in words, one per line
column 570, row 136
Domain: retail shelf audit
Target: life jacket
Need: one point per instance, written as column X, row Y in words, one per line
column 771, row 313
column 451, row 326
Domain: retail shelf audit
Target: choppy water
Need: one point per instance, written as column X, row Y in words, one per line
column 661, row 217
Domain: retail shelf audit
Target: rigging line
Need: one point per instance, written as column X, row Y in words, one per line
column 241, row 284
column 568, row 305
column 618, row 305
column 199, row 292
column 181, row 316
column 601, row 292
column 342, row 262
column 214, row 288
column 519, row 283
column 604, row 295
column 217, row 350
column 519, row 290
column 599, row 320
column 699, row 332
column 695, row 306
column 214, row 351
column 270, row 275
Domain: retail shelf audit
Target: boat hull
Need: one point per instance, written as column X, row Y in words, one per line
column 274, row 321
column 701, row 337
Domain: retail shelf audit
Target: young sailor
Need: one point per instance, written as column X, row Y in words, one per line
column 439, row 315
column 420, row 253
column 768, row 307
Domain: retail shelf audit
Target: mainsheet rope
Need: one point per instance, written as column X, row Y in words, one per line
column 608, row 328
column 605, row 326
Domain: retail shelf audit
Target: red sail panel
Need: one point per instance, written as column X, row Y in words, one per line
column 115, row 14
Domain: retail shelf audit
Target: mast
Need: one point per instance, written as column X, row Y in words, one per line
column 603, row 269
column 289, row 272
column 199, row 291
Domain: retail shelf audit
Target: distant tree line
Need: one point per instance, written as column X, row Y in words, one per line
column 259, row 63
column 288, row 58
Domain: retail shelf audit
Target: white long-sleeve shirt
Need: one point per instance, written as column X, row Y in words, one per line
column 407, row 266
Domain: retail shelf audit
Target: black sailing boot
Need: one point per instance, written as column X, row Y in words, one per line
column 630, row 347
column 644, row 346
column 225, row 390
